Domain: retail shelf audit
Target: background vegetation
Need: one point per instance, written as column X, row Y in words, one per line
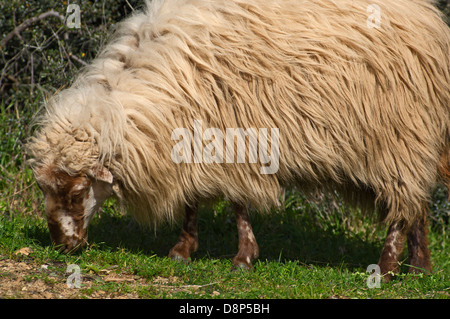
column 310, row 249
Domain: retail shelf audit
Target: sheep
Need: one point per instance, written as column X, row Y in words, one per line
column 355, row 95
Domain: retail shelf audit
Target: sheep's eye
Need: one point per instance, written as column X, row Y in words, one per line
column 77, row 196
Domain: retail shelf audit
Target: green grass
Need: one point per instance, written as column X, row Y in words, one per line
column 302, row 256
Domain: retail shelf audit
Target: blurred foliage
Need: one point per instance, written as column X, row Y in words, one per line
column 45, row 55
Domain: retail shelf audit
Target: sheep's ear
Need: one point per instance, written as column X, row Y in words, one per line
column 101, row 173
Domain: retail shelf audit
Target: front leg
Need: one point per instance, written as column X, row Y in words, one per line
column 188, row 240
column 248, row 248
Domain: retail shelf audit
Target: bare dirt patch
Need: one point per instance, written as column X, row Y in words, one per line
column 22, row 277
column 26, row 279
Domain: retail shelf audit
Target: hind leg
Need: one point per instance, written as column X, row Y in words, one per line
column 392, row 250
column 248, row 248
column 419, row 254
column 188, row 240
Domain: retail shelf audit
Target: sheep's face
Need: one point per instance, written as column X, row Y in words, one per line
column 70, row 204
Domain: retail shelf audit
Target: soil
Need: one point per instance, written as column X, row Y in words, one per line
column 22, row 277
column 25, row 279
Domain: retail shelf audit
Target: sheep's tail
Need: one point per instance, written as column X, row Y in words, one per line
column 444, row 164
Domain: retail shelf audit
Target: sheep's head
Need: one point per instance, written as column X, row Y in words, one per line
column 71, row 201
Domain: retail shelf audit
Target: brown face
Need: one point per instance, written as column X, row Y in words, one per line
column 70, row 204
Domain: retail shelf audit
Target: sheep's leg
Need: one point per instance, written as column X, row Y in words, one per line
column 188, row 240
column 419, row 255
column 248, row 248
column 393, row 248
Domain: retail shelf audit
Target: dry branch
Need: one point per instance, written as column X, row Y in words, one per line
column 71, row 56
column 17, row 30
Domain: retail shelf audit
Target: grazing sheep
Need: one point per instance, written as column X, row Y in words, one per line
column 354, row 95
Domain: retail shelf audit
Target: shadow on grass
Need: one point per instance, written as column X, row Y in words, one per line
column 281, row 236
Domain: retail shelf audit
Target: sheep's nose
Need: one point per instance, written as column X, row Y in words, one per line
column 72, row 246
